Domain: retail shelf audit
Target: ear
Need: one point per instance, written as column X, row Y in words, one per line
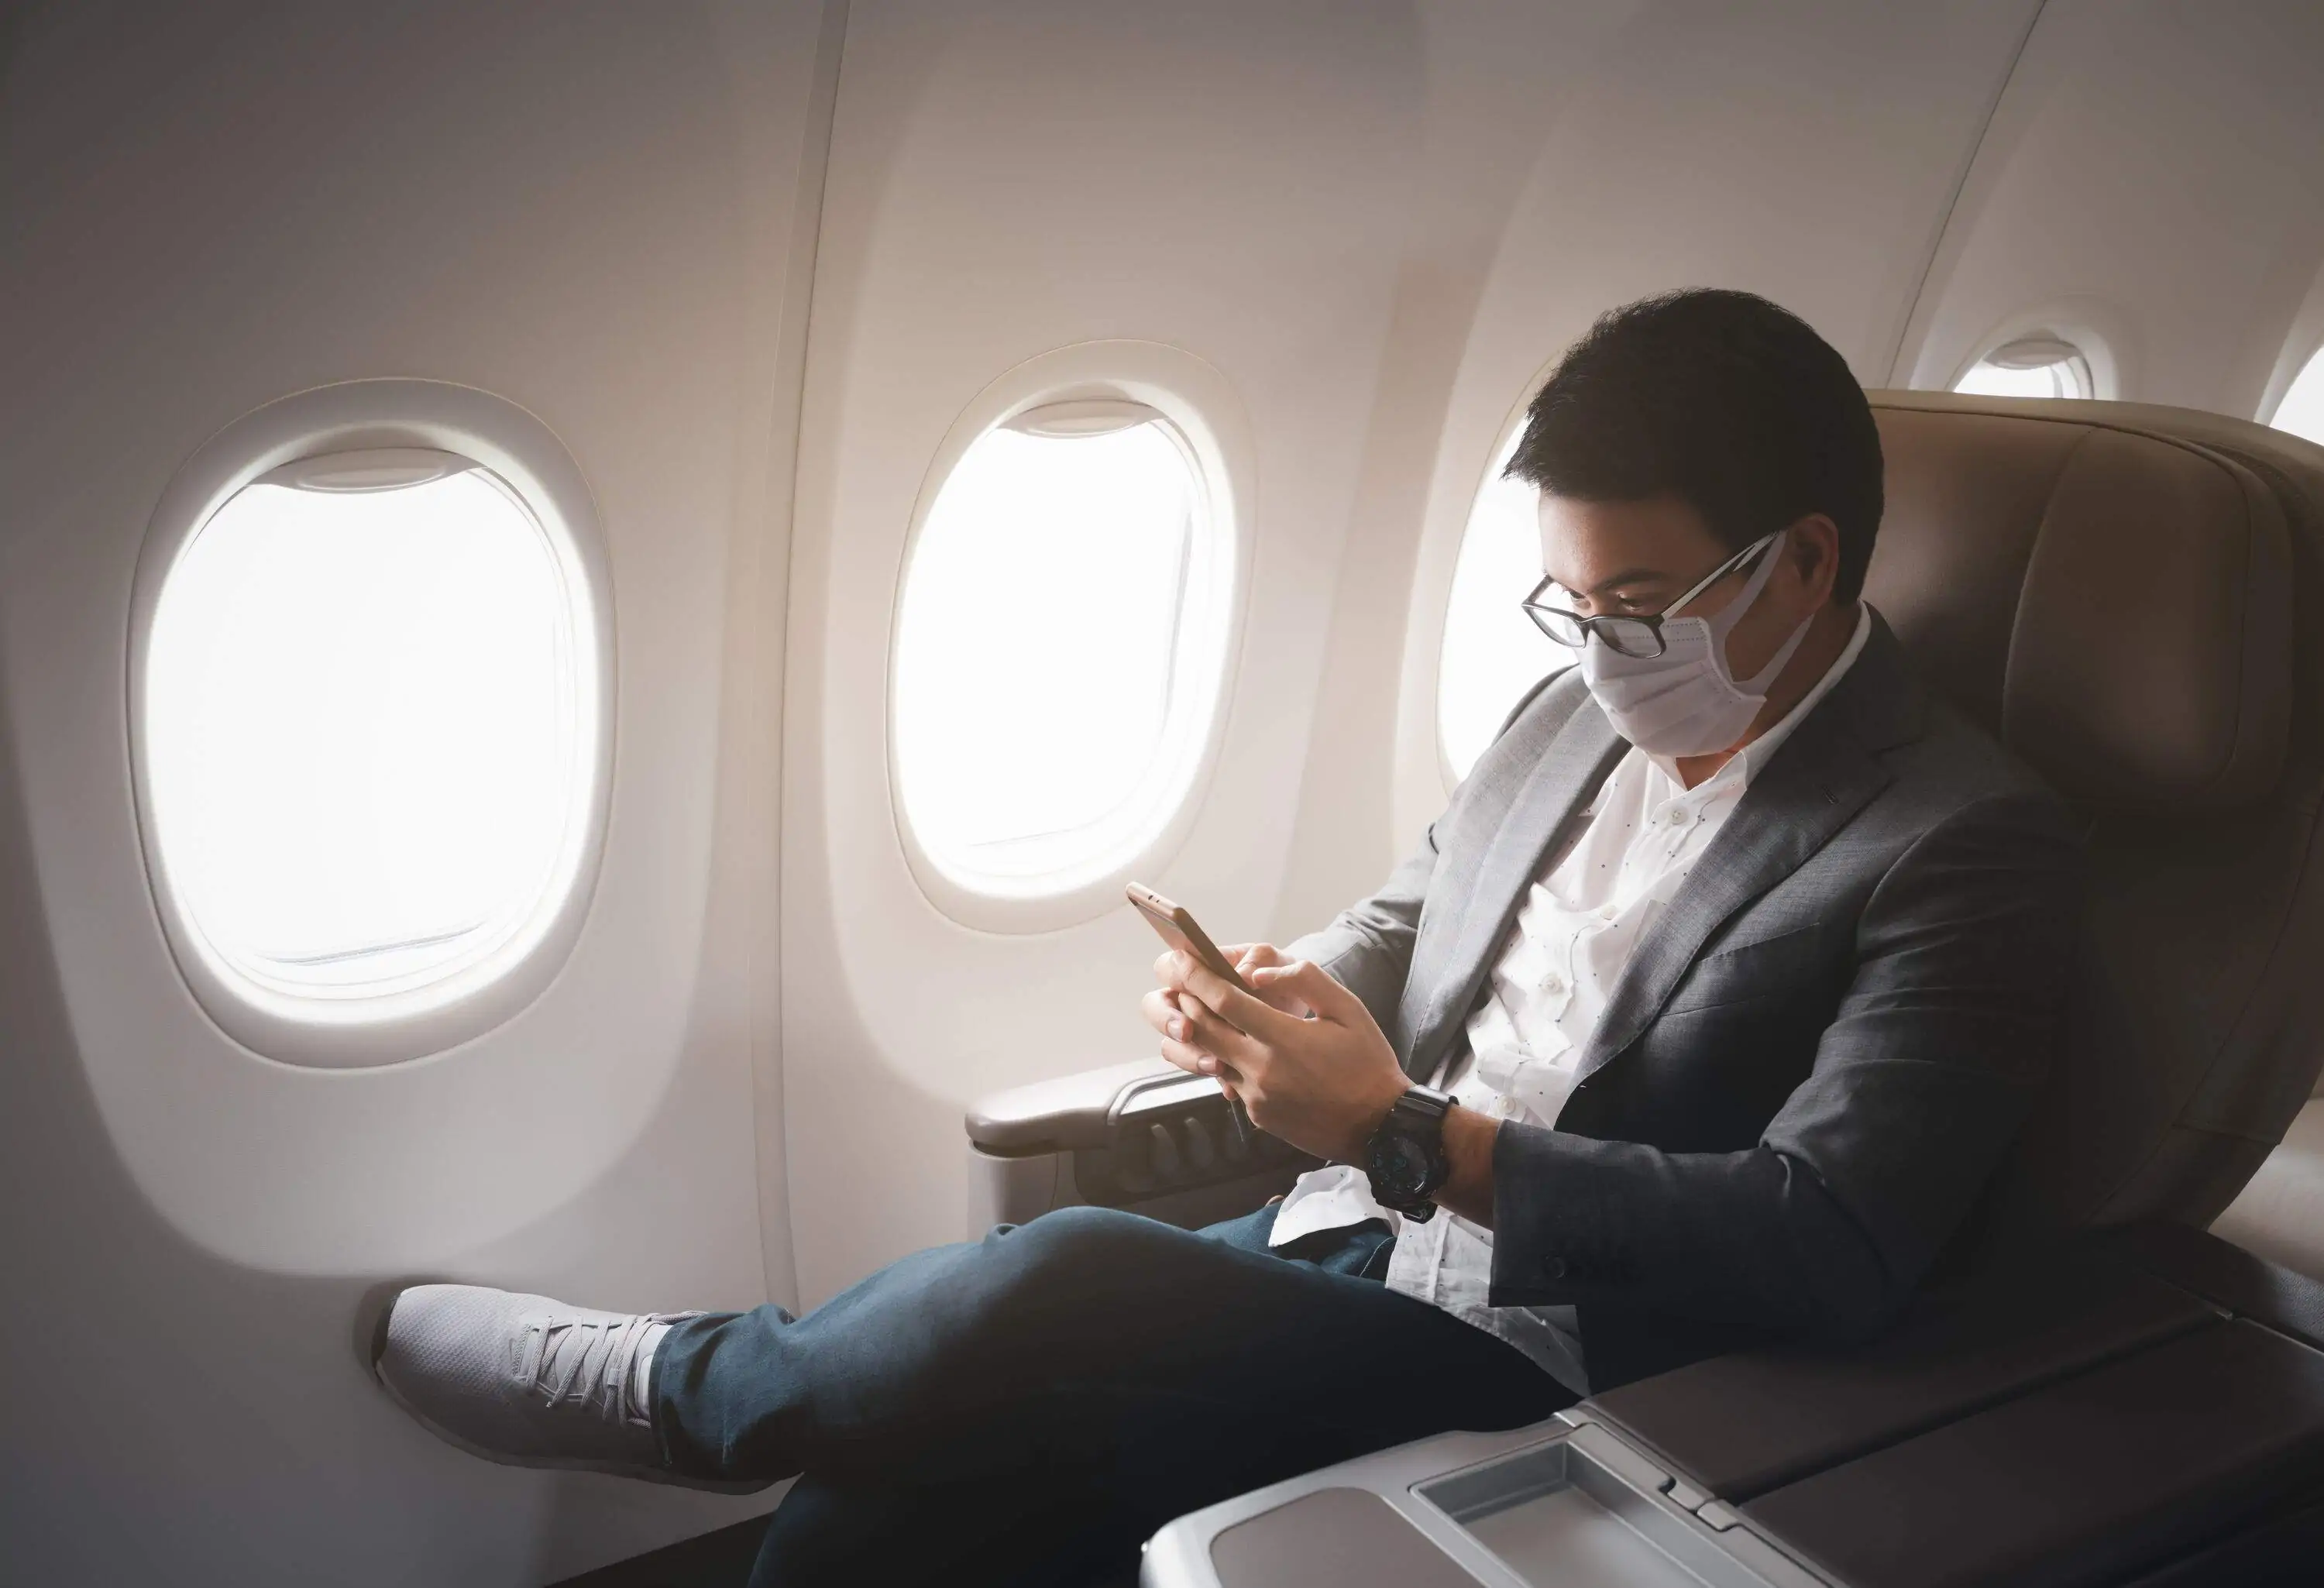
column 1813, row 551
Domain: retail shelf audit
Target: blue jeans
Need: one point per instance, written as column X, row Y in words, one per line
column 1030, row 1407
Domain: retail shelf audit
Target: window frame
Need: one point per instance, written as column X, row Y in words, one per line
column 526, row 457
column 2080, row 367
column 1200, row 406
column 2106, row 338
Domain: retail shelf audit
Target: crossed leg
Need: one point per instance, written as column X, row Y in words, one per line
column 1031, row 1407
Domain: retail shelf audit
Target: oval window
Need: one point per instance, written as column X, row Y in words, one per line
column 1060, row 642
column 1492, row 652
column 2031, row 367
column 370, row 725
column 2302, row 409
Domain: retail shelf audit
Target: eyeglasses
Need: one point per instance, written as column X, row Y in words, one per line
column 1637, row 637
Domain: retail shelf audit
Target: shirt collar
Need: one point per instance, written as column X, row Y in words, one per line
column 1747, row 761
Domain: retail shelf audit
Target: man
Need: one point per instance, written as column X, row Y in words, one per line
column 1701, row 1018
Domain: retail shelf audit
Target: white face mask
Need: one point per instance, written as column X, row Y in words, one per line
column 1685, row 702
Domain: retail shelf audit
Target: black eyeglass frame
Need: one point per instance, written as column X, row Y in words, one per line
column 1638, row 636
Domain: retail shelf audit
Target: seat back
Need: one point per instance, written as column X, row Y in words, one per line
column 2129, row 598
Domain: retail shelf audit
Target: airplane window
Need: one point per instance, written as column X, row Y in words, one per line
column 370, row 729
column 1492, row 653
column 1059, row 648
column 2031, row 367
column 2301, row 411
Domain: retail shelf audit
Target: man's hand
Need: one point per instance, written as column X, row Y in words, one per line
column 1305, row 1055
column 1159, row 1004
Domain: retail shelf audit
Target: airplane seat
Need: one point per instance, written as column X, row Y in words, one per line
column 2129, row 597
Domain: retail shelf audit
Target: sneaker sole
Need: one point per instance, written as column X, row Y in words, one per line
column 612, row 1469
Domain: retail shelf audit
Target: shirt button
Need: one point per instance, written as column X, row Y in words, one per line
column 1677, row 817
column 1555, row 1267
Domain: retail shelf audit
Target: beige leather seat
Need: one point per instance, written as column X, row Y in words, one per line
column 2132, row 598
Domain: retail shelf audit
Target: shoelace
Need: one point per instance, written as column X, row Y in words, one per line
column 590, row 1360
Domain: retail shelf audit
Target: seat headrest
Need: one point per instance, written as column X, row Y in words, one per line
column 2112, row 599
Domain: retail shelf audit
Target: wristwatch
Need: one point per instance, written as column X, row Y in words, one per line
column 1405, row 1156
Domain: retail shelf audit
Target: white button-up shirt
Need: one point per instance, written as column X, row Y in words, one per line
column 1573, row 935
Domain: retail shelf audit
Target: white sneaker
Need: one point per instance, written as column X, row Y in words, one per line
column 528, row 1381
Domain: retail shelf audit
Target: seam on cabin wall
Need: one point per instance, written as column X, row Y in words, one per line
column 1912, row 315
column 795, row 326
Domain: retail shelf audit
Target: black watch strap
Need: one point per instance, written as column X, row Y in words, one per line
column 1406, row 1158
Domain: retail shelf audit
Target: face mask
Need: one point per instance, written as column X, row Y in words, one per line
column 1685, row 702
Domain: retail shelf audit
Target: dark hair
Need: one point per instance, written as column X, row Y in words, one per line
column 1721, row 398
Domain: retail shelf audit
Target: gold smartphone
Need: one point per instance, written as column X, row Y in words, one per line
column 1183, row 932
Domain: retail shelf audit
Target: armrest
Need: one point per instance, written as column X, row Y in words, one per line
column 1070, row 1111
column 1740, row 1426
column 2142, row 1403
column 1142, row 1136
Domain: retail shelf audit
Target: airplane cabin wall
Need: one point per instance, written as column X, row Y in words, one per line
column 1362, row 230
column 587, row 210
column 2153, row 186
column 1226, row 180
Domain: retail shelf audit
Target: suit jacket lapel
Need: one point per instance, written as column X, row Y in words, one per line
column 1577, row 761
column 1817, row 780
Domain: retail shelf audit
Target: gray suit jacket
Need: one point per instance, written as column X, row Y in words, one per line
column 1817, row 1055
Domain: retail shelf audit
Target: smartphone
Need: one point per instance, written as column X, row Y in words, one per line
column 1182, row 931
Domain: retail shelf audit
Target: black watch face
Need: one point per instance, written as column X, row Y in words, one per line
column 1402, row 1163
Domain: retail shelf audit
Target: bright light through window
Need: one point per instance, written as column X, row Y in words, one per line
column 1059, row 648
column 370, row 728
column 1492, row 652
column 2031, row 366
column 2301, row 411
